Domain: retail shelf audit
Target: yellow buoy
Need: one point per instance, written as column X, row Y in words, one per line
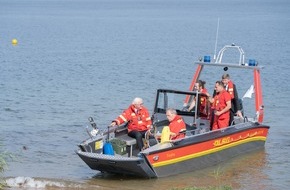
column 14, row 41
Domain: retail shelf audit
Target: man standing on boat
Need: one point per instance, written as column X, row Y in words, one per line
column 232, row 90
column 221, row 105
column 139, row 121
column 177, row 126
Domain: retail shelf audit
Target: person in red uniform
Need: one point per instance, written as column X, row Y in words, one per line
column 203, row 108
column 232, row 90
column 139, row 121
column 221, row 105
column 176, row 124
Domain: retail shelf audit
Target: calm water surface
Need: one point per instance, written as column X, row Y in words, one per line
column 76, row 59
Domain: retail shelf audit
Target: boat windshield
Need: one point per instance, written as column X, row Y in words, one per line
column 181, row 101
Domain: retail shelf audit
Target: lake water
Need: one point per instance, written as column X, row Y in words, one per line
column 81, row 58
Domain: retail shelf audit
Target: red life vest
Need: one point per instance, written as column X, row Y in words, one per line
column 230, row 89
column 138, row 120
column 176, row 126
column 203, row 102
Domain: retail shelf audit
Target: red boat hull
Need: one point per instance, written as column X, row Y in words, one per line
column 223, row 145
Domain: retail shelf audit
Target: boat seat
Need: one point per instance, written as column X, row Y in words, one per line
column 129, row 142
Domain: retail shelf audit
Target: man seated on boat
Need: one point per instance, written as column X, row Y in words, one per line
column 139, row 121
column 176, row 124
column 230, row 87
column 221, row 105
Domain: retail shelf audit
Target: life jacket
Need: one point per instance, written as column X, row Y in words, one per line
column 138, row 120
column 230, row 89
column 203, row 102
column 176, row 126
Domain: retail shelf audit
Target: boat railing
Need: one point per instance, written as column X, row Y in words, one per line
column 227, row 47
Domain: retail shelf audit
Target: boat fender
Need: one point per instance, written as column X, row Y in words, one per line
column 108, row 149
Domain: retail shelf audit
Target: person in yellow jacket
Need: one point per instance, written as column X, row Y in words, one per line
column 139, row 121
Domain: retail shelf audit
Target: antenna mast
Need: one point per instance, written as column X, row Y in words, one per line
column 216, row 38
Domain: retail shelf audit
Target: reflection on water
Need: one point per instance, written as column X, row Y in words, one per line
column 247, row 171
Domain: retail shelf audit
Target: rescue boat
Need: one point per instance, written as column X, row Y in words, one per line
column 112, row 150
